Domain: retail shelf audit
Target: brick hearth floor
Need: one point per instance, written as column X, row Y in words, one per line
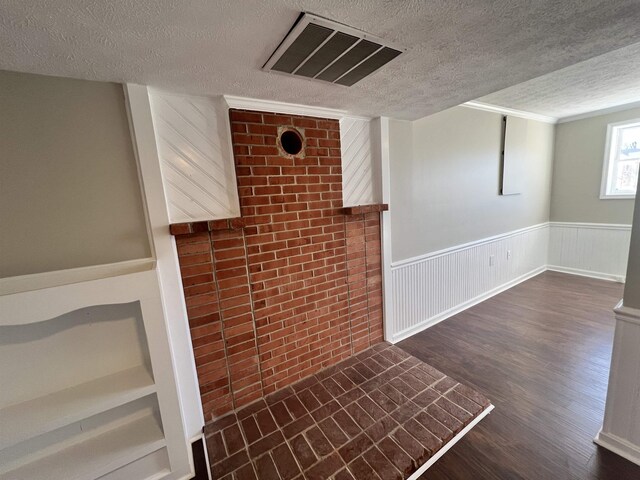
column 380, row 411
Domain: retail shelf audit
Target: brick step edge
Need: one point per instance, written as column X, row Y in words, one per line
column 360, row 209
column 206, row 226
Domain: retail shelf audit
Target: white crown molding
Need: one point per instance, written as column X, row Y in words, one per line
column 243, row 103
column 509, row 111
column 597, row 113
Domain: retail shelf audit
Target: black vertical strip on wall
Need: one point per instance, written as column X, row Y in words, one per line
column 503, row 137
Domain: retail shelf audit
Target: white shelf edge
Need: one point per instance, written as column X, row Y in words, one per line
column 26, row 420
column 150, row 467
column 49, row 303
column 38, row 281
column 97, row 455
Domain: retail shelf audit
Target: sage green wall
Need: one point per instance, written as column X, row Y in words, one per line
column 69, row 191
column 577, row 172
column 445, row 181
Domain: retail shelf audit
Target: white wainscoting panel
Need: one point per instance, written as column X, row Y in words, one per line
column 360, row 176
column 194, row 145
column 433, row 287
column 620, row 431
column 590, row 249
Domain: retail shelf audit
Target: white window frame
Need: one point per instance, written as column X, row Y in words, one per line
column 609, row 163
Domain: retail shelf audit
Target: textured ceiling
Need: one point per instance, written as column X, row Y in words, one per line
column 457, row 50
column 605, row 81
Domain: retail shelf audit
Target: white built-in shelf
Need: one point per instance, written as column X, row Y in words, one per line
column 97, row 455
column 44, row 414
column 123, row 423
column 46, row 304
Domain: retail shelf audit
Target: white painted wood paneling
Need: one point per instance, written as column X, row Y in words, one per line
column 590, row 249
column 620, row 431
column 433, row 287
column 360, row 162
column 381, row 126
column 194, row 145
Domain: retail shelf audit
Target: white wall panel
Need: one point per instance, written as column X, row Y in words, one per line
column 430, row 288
column 194, row 146
column 592, row 249
column 620, row 431
column 360, row 169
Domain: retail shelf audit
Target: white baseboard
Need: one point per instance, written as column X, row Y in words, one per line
column 430, row 322
column 450, row 444
column 618, row 446
column 587, row 273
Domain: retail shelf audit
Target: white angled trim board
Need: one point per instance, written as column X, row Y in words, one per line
column 243, row 103
column 359, row 182
column 423, row 468
column 193, row 139
column 509, row 111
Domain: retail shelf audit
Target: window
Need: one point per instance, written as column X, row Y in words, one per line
column 622, row 160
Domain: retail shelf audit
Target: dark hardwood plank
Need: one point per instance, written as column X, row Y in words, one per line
column 541, row 352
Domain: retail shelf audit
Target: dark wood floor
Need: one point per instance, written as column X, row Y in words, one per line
column 540, row 351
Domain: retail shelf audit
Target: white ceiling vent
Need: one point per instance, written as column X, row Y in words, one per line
column 324, row 50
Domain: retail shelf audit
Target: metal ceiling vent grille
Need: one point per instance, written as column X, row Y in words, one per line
column 324, row 50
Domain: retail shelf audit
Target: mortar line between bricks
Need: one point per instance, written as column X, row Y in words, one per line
column 366, row 276
column 253, row 317
column 346, row 238
column 222, row 332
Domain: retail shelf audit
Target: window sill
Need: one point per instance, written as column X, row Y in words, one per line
column 617, row 197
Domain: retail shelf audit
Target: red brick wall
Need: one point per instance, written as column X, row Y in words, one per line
column 298, row 287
